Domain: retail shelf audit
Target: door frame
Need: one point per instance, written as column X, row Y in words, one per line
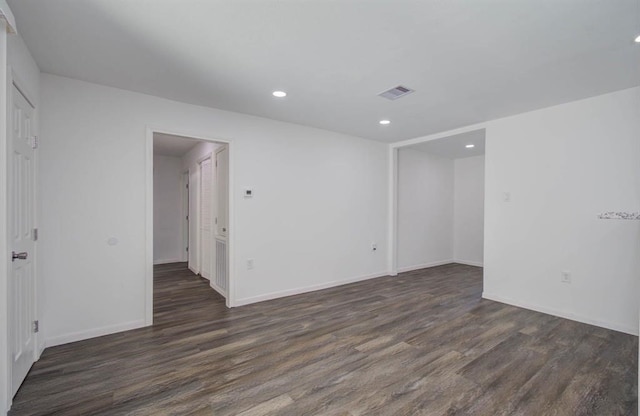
column 14, row 80
column 231, row 294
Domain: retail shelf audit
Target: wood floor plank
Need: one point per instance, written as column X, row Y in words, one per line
column 421, row 343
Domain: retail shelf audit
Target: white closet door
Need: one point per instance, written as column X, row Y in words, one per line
column 220, row 282
column 21, row 229
column 222, row 170
column 206, row 218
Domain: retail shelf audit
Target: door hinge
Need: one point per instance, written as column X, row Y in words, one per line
column 35, row 142
column 187, row 186
column 36, row 326
column 186, row 218
column 216, row 220
column 35, row 234
column 187, row 249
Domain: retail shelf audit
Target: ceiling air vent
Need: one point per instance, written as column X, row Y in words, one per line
column 396, row 92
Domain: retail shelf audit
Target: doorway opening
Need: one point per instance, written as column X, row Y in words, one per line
column 439, row 202
column 190, row 205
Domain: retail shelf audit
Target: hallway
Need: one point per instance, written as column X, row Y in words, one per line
column 180, row 296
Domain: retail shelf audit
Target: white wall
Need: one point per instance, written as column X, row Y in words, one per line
column 320, row 201
column 167, row 209
column 563, row 165
column 191, row 163
column 468, row 210
column 425, row 210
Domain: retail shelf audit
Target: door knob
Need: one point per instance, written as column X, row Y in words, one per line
column 21, row 256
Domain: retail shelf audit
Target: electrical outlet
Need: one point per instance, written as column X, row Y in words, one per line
column 374, row 246
column 249, row 264
column 506, row 196
column 565, row 277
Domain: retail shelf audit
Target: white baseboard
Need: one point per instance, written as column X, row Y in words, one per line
column 156, row 262
column 469, row 262
column 424, row 265
column 193, row 270
column 217, row 288
column 92, row 333
column 41, row 348
column 297, row 291
column 562, row 314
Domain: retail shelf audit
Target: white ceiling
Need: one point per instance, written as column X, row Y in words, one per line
column 469, row 61
column 453, row 147
column 170, row 145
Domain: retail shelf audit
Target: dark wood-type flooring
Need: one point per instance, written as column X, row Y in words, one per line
column 422, row 343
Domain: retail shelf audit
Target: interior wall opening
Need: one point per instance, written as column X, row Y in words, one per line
column 190, row 215
column 440, row 202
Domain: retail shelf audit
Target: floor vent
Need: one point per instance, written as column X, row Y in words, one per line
column 396, row 92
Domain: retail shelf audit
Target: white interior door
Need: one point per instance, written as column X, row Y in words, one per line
column 206, row 218
column 222, row 186
column 22, row 220
column 185, row 216
column 221, row 281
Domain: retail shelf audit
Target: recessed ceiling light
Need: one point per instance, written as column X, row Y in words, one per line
column 469, row 146
column 279, row 94
column 637, row 39
column 385, row 122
